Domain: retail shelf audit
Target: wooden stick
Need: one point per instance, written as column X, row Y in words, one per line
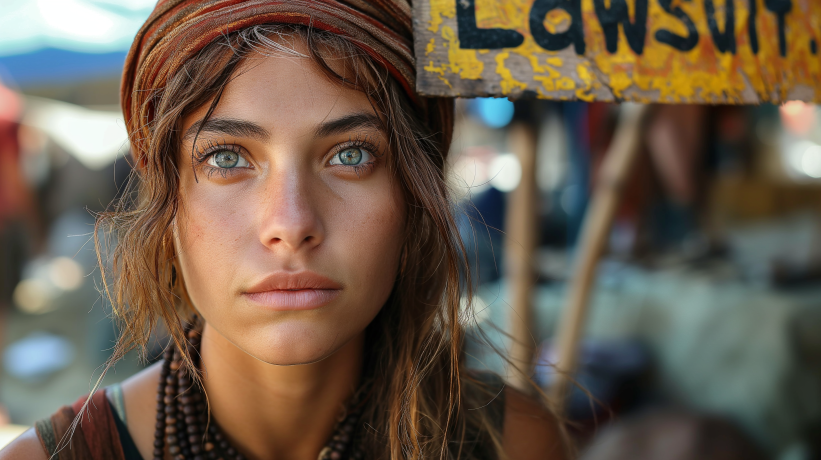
column 520, row 243
column 610, row 181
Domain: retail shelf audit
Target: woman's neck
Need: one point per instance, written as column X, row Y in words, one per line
column 279, row 412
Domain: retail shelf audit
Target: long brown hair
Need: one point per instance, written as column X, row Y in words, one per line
column 415, row 342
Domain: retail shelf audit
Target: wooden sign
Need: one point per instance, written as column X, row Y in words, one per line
column 677, row 51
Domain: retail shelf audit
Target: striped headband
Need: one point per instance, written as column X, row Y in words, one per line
column 178, row 29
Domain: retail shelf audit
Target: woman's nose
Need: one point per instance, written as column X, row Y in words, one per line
column 289, row 214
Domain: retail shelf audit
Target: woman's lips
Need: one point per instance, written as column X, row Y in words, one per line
column 303, row 299
column 303, row 290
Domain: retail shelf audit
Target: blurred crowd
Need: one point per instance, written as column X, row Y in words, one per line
column 704, row 334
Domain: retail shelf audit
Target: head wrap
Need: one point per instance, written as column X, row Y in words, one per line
column 178, row 29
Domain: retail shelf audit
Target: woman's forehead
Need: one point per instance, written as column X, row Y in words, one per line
column 279, row 92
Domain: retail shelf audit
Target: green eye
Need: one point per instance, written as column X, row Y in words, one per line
column 350, row 156
column 226, row 159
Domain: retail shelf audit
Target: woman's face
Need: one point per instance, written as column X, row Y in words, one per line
column 290, row 225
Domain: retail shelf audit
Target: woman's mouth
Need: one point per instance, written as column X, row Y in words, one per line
column 283, row 291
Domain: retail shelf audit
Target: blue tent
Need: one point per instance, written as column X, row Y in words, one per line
column 54, row 42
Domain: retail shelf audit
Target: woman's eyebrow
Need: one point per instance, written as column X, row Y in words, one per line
column 243, row 128
column 229, row 126
column 347, row 123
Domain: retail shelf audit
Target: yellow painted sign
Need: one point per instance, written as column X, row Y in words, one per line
column 701, row 51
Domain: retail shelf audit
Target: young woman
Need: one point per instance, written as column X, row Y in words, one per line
column 291, row 229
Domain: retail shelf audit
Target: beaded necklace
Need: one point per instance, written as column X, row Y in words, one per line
column 182, row 419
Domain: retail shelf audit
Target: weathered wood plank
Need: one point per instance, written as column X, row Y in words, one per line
column 621, row 50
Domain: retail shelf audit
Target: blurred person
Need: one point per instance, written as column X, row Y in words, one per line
column 16, row 199
column 292, row 229
column 673, row 436
column 17, row 210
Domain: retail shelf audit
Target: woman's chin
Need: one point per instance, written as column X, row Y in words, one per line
column 296, row 346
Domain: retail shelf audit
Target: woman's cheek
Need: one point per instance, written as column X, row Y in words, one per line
column 382, row 239
column 209, row 231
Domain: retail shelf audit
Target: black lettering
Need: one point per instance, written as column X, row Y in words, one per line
column 472, row 37
column 677, row 41
column 555, row 42
column 780, row 8
column 751, row 26
column 610, row 18
column 725, row 41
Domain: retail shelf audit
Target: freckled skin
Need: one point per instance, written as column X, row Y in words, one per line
column 292, row 211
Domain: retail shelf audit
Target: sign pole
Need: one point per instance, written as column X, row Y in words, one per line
column 610, row 182
column 520, row 244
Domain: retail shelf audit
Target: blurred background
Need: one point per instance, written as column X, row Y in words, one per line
column 703, row 335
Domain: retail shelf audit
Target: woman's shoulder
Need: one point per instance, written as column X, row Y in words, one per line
column 27, row 446
column 138, row 395
column 529, row 429
column 61, row 436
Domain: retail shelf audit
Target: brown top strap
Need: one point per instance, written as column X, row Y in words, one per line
column 94, row 437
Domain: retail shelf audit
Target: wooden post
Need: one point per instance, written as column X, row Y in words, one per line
column 615, row 171
column 520, row 242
